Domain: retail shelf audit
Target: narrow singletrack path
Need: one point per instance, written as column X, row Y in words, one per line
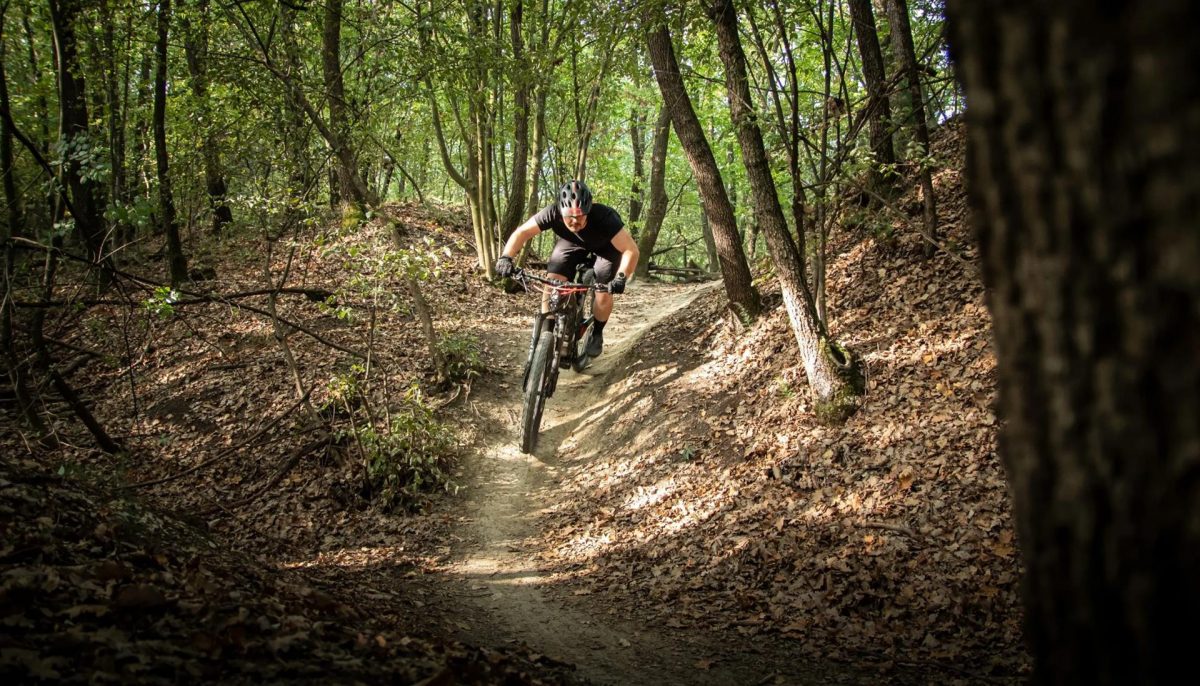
column 498, row 569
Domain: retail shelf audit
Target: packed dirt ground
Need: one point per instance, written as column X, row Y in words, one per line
column 684, row 519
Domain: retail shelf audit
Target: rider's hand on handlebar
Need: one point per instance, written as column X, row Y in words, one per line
column 617, row 285
column 505, row 267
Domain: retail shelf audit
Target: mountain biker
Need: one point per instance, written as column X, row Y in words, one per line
column 582, row 227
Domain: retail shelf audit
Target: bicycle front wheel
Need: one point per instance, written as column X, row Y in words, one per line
column 536, row 391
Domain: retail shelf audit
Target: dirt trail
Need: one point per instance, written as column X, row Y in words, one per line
column 506, row 489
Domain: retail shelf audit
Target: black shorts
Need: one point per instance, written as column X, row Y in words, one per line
column 567, row 256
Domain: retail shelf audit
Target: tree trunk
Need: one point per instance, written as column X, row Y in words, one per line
column 734, row 269
column 1086, row 224
column 585, row 122
column 112, row 103
column 906, row 58
column 166, row 203
column 196, row 49
column 539, row 150
column 514, row 206
column 880, row 115
column 710, row 245
column 87, row 195
column 637, row 122
column 832, row 372
column 658, row 190
column 351, row 184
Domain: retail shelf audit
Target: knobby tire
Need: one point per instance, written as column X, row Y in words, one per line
column 536, row 390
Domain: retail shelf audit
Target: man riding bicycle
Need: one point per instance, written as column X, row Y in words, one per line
column 583, row 228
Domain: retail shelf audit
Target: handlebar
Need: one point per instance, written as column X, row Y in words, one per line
column 524, row 276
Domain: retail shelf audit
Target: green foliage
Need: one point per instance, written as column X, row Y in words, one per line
column 162, row 303
column 461, row 353
column 405, row 454
column 81, row 150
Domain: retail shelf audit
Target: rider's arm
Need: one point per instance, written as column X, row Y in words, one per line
column 521, row 236
column 624, row 242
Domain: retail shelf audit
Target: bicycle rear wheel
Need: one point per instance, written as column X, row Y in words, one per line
column 536, row 391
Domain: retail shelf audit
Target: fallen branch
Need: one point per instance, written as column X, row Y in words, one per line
column 197, row 297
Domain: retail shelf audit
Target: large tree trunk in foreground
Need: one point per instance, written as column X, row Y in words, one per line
column 734, row 269
column 832, row 372
column 1088, row 237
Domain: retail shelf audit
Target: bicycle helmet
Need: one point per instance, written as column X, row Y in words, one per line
column 574, row 194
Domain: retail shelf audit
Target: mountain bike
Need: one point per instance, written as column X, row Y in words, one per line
column 558, row 340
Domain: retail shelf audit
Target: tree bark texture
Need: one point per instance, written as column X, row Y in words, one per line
column 734, row 269
column 1084, row 178
column 166, row 202
column 710, row 246
column 829, row 374
column 657, row 211
column 873, row 72
column 87, row 195
column 351, row 182
column 906, row 58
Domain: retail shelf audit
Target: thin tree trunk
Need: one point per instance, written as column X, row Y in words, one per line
column 734, row 269
column 112, row 102
column 514, row 206
column 658, row 190
column 880, row 113
column 906, row 56
column 586, row 121
column 637, row 123
column 831, row 370
column 142, row 125
column 351, row 183
column 787, row 124
column 1086, row 224
column 196, row 49
column 539, row 151
column 166, row 203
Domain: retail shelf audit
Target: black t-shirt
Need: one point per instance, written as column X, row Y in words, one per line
column 603, row 223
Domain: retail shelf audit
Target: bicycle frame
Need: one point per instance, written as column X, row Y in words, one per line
column 564, row 308
column 549, row 350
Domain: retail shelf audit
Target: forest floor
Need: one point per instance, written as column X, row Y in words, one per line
column 684, row 518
